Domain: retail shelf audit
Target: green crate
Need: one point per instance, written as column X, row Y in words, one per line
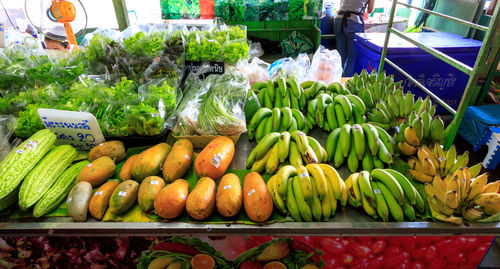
column 279, row 30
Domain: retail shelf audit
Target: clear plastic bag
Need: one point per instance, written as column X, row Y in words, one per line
column 7, row 127
column 326, row 66
column 213, row 106
column 297, row 68
column 162, row 93
column 256, row 70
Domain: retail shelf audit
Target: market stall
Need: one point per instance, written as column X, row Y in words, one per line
column 166, row 130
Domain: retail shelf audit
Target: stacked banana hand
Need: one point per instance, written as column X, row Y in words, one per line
column 331, row 110
column 421, row 128
column 307, row 193
column 463, row 194
column 266, row 120
column 373, row 87
column 296, row 147
column 438, row 162
column 280, row 93
column 365, row 143
column 384, row 192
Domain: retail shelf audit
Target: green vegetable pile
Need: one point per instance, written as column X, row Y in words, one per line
column 295, row 10
column 104, row 78
column 213, row 106
column 228, row 44
column 180, row 9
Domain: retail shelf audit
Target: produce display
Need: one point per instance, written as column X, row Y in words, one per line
column 276, row 148
column 280, row 253
column 307, row 193
column 218, row 43
column 179, row 252
column 365, row 143
column 384, row 192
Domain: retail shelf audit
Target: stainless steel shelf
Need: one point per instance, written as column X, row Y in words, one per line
column 348, row 222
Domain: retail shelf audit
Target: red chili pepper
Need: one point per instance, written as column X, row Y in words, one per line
column 300, row 245
column 176, row 247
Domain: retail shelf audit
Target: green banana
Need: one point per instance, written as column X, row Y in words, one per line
column 345, row 139
column 299, row 117
column 393, row 104
column 352, row 158
column 408, row 189
column 358, row 117
column 383, row 153
column 286, row 119
column 437, row 129
column 418, row 125
column 316, row 209
column 258, row 117
column 283, row 146
column 304, row 208
column 261, row 129
column 276, row 119
column 282, row 86
column 339, row 113
column 345, row 104
column 408, row 210
column 427, row 121
column 262, row 147
column 294, row 86
column 331, row 143
column 359, row 141
column 366, row 188
column 293, row 126
column 270, row 91
column 386, row 139
column 338, row 158
column 372, row 136
column 316, row 146
column 394, row 208
column 291, row 204
column 294, row 155
column 377, row 163
column 330, row 116
column 367, row 161
column 259, row 85
column 356, row 101
column 389, row 181
column 382, row 208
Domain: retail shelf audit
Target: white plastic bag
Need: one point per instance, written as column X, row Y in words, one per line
column 326, row 66
column 256, row 70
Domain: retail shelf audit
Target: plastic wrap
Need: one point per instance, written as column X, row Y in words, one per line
column 7, row 126
column 297, row 68
column 256, row 70
column 326, row 66
column 214, row 106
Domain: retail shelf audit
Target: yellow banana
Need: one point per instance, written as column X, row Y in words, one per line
column 279, row 203
column 451, row 199
column 447, row 179
column 406, row 148
column 355, row 192
column 368, row 208
column 454, row 185
column 440, row 206
column 316, row 209
column 382, row 208
column 309, row 155
column 294, row 155
column 465, row 184
column 471, row 214
column 272, row 161
column 491, row 187
column 440, row 216
column 283, row 146
column 366, row 190
column 428, row 167
column 260, row 165
column 304, row 209
column 319, row 180
column 413, row 162
column 291, row 202
column 451, row 156
column 420, row 176
column 283, row 175
column 326, row 209
column 305, row 184
column 476, row 186
column 343, row 194
column 411, row 136
column 425, row 152
column 438, row 151
column 492, row 209
column 475, row 169
column 439, row 186
column 488, row 199
column 333, row 177
column 331, row 198
column 300, row 139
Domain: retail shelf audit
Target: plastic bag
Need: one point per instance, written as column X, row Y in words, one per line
column 213, row 106
column 297, row 68
column 326, row 66
column 7, row 126
column 162, row 93
column 255, row 50
column 256, row 70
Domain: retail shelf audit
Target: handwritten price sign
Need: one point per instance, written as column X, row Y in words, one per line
column 78, row 129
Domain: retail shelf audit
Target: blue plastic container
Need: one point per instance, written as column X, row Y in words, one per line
column 326, row 26
column 441, row 78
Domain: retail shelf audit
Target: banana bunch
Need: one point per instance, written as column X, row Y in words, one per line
column 373, row 87
column 421, row 128
column 429, row 163
column 280, row 93
column 331, row 111
column 307, row 193
column 464, row 194
column 384, row 192
column 313, row 89
column 371, row 145
column 266, row 120
column 276, row 148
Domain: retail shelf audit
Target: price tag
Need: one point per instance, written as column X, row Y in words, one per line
column 227, row 187
column 78, row 129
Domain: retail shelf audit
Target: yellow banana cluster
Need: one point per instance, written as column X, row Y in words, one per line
column 308, row 193
column 430, row 163
column 383, row 193
column 419, row 129
column 462, row 194
column 276, row 148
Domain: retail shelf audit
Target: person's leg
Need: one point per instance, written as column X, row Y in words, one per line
column 351, row 29
column 340, row 40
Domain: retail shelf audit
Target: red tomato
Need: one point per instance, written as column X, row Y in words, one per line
column 394, row 241
column 430, row 252
column 472, row 240
column 251, row 265
column 358, row 250
column 425, row 241
column 329, row 245
column 394, row 259
column 436, row 263
column 417, row 265
column 404, row 265
column 377, row 262
column 392, row 250
column 409, row 242
column 359, row 264
column 418, row 253
column 443, row 244
column 331, row 261
column 378, row 246
column 345, row 242
column 346, row 259
column 365, row 240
